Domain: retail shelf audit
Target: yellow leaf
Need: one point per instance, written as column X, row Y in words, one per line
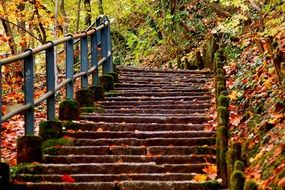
column 233, row 95
column 200, row 177
column 100, row 130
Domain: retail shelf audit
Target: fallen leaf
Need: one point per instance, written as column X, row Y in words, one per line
column 67, row 178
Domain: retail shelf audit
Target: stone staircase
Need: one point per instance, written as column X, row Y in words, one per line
column 150, row 136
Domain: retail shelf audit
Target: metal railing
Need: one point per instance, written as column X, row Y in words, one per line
column 89, row 40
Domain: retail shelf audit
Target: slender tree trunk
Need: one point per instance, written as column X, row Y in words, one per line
column 78, row 16
column 100, row 7
column 63, row 12
column 55, row 38
column 8, row 30
column 87, row 10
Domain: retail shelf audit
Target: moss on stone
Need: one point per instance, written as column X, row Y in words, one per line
column 29, row 149
column 113, row 93
column 237, row 180
column 239, row 165
column 209, row 50
column 58, row 142
column 222, row 147
column 223, row 116
column 69, row 110
column 99, row 93
column 223, row 101
column 250, row 185
column 69, row 125
column 178, row 58
column 115, row 76
column 221, row 72
column 95, row 109
column 220, row 88
column 50, row 130
column 224, row 93
column 107, row 82
column 85, row 97
column 233, row 154
column 26, row 168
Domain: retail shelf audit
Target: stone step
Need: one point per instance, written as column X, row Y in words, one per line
column 108, row 177
column 123, row 185
column 139, row 134
column 148, row 119
column 198, row 141
column 157, row 94
column 159, row 99
column 159, row 159
column 164, row 104
column 164, row 90
column 118, row 150
column 95, row 126
column 158, row 105
column 162, row 86
column 117, row 168
column 151, row 111
column 158, row 70
column 159, row 81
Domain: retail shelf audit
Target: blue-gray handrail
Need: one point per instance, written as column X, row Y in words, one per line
column 94, row 35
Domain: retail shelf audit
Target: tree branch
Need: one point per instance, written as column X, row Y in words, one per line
column 22, row 29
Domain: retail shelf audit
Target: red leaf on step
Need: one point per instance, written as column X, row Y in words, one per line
column 67, row 178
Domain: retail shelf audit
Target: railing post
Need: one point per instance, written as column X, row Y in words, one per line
column 29, row 92
column 50, row 80
column 104, row 39
column 98, row 33
column 84, row 61
column 109, row 59
column 94, row 58
column 69, row 67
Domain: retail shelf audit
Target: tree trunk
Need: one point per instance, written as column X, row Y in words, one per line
column 8, row 30
column 87, row 10
column 100, row 7
column 78, row 16
column 63, row 12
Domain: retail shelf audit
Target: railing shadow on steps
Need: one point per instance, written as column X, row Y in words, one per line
column 96, row 35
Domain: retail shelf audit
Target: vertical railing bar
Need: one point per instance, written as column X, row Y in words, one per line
column 50, row 80
column 106, row 68
column 94, row 58
column 110, row 59
column 29, row 93
column 84, row 61
column 69, row 67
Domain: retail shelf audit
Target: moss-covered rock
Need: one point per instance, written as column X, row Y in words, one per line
column 221, row 72
column 239, row 165
column 250, row 185
column 233, row 154
column 66, row 141
column 199, row 60
column 170, row 66
column 85, row 97
column 29, row 149
column 26, row 168
column 223, row 116
column 50, row 130
column 95, row 109
column 237, row 180
column 107, row 82
column 223, row 101
column 99, row 93
column 115, row 76
column 69, row 110
column 4, row 175
column 178, row 58
column 209, row 50
column 222, row 147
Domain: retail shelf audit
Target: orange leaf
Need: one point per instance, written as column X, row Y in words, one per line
column 67, row 178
